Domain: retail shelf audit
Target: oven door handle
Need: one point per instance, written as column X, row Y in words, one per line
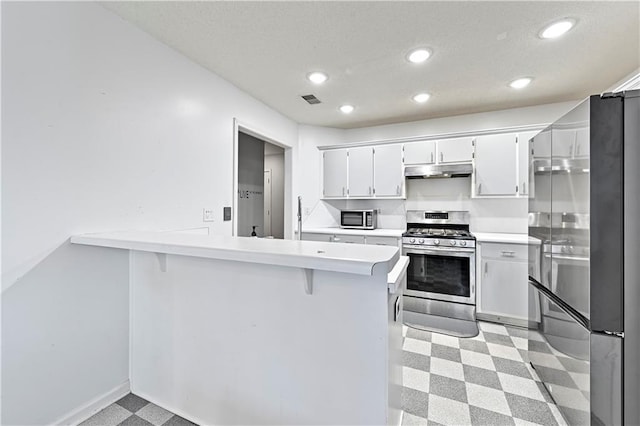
column 440, row 251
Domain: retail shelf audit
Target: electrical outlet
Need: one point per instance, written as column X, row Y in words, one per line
column 307, row 211
column 207, row 214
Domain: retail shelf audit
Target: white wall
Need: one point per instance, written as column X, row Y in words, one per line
column 103, row 128
column 487, row 215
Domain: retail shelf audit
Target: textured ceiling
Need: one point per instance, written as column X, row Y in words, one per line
column 267, row 48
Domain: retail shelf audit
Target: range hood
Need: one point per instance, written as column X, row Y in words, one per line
column 438, row 171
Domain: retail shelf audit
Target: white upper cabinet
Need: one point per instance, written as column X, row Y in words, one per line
column 387, row 168
column 495, row 168
column 525, row 166
column 542, row 144
column 423, row 152
column 360, row 172
column 563, row 142
column 459, row 150
column 334, row 173
column 582, row 142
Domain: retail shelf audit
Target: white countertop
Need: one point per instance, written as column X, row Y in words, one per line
column 293, row 253
column 370, row 232
column 486, row 237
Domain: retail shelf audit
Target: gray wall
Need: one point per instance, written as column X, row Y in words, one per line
column 250, row 185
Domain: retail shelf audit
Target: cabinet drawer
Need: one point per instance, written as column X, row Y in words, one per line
column 349, row 239
column 505, row 251
column 307, row 236
column 383, row 241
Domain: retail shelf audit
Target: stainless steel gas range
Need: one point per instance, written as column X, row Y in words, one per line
column 441, row 277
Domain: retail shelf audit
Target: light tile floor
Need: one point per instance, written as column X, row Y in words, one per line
column 132, row 410
column 484, row 380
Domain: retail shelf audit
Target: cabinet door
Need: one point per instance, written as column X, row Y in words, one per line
column 525, row 166
column 388, row 176
column 563, row 142
column 457, row 150
column 504, row 289
column 423, row 152
column 495, row 165
column 360, row 172
column 542, row 144
column 582, row 143
column 334, row 173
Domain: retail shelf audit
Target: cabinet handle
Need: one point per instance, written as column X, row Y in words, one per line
column 432, row 157
column 486, row 268
column 343, row 191
column 397, row 189
column 479, row 188
column 441, row 156
column 508, row 253
column 369, row 190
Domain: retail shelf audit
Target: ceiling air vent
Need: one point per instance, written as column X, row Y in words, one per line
column 311, row 99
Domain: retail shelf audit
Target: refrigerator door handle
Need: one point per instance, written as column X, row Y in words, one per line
column 577, row 316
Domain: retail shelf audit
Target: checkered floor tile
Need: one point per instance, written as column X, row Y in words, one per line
column 132, row 410
column 484, row 380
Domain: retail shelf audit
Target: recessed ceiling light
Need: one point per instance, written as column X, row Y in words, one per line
column 317, row 77
column 421, row 97
column 347, row 109
column 557, row 28
column 418, row 55
column 520, row 83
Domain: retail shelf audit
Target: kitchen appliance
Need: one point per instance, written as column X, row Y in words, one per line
column 585, row 345
column 358, row 219
column 441, row 276
column 438, row 171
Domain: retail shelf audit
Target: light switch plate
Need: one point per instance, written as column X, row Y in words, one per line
column 207, row 214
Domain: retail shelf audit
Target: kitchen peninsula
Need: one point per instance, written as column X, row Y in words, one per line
column 232, row 330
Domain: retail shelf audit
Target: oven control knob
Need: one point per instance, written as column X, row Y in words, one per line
column 453, row 242
column 413, row 240
column 463, row 243
column 436, row 242
column 421, row 241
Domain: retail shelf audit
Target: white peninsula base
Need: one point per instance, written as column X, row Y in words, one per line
column 219, row 341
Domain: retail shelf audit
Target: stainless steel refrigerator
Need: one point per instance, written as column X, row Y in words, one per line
column 585, row 289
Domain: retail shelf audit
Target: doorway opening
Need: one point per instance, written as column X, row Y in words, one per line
column 260, row 195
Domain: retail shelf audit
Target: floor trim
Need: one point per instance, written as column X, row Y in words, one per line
column 87, row 410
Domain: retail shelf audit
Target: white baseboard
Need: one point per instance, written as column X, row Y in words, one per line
column 80, row 414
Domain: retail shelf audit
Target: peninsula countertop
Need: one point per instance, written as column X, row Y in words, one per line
column 292, row 253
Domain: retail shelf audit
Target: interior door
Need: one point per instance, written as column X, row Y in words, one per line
column 267, row 203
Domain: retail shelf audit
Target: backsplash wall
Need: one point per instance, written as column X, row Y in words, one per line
column 504, row 215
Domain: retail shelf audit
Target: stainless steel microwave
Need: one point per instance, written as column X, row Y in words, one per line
column 358, row 219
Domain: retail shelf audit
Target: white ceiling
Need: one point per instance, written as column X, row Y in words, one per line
column 267, row 49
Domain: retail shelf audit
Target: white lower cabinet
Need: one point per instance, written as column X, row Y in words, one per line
column 503, row 294
column 349, row 239
column 352, row 239
column 312, row 236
